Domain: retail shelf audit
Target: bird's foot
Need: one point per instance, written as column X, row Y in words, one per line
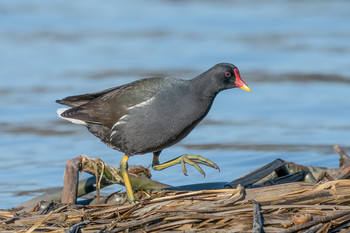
column 193, row 160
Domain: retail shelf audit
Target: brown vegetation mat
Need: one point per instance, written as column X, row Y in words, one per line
column 318, row 208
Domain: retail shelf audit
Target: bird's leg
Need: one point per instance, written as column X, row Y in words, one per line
column 193, row 160
column 124, row 171
column 155, row 161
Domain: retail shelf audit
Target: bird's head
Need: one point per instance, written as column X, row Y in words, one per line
column 226, row 76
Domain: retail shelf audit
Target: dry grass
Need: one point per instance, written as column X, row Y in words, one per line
column 325, row 207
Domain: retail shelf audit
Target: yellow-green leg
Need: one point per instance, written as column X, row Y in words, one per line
column 193, row 160
column 124, row 171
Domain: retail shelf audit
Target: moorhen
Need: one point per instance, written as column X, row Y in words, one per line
column 151, row 114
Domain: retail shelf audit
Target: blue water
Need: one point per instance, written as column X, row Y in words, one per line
column 294, row 55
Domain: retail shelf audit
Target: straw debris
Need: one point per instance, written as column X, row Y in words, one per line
column 237, row 210
column 258, row 206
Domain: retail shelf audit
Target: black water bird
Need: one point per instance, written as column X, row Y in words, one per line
column 151, row 114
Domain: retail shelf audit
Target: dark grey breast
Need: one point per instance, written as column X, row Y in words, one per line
column 161, row 121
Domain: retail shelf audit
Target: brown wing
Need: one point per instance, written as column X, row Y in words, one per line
column 78, row 100
column 108, row 106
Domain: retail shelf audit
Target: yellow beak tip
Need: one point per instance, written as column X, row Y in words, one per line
column 246, row 88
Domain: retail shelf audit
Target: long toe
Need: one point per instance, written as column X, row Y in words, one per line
column 201, row 160
column 195, row 160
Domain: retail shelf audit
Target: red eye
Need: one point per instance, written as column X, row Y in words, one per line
column 228, row 74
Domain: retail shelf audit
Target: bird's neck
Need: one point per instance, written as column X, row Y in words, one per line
column 203, row 87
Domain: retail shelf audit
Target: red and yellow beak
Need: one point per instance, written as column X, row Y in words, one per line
column 239, row 82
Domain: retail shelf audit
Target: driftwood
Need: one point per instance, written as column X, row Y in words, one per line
column 265, row 205
column 209, row 210
column 257, row 218
column 344, row 157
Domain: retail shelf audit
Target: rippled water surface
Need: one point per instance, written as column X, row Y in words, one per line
column 294, row 55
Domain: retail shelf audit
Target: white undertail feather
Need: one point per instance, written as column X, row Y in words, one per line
column 74, row 121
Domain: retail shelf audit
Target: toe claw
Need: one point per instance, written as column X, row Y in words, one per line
column 184, row 170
